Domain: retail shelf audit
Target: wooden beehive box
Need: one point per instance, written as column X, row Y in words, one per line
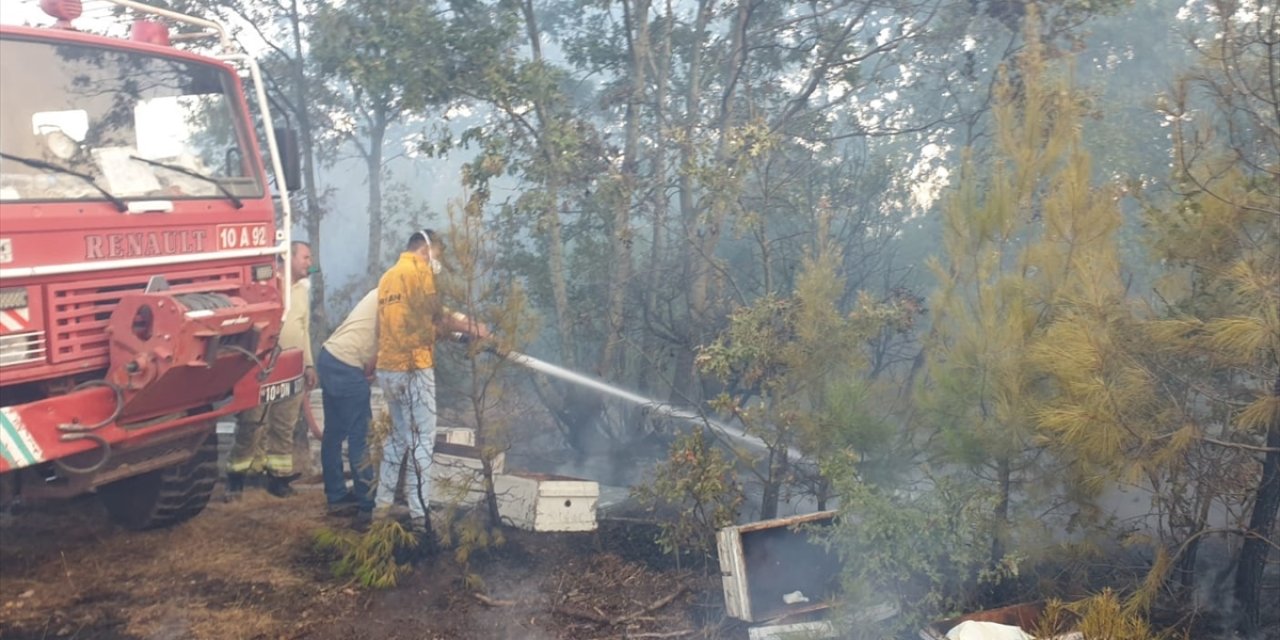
column 761, row 562
column 542, row 502
column 456, row 473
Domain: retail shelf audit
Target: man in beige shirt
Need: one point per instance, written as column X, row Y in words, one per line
column 264, row 434
column 346, row 365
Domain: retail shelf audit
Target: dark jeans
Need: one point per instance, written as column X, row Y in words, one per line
column 346, row 418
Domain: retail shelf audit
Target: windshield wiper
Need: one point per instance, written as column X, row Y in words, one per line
column 41, row 164
column 236, row 202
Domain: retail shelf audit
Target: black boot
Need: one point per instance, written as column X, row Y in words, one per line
column 235, row 486
column 278, row 486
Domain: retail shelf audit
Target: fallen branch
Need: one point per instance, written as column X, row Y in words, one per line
column 575, row 612
column 492, row 602
column 599, row 618
column 654, row 634
column 658, row 604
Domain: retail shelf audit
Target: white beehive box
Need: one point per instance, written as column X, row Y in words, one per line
column 456, row 435
column 456, row 473
column 541, row 502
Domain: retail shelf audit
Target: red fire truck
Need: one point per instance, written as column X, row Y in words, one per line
column 140, row 295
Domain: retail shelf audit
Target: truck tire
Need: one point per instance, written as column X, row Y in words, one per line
column 165, row 497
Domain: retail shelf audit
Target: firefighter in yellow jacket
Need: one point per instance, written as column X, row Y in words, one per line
column 264, row 434
column 409, row 317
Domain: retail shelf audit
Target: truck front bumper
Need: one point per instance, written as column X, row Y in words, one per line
column 71, row 443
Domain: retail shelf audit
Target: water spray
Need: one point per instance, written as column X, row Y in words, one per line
column 648, row 404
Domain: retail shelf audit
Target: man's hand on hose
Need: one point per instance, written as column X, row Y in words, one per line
column 466, row 328
column 309, row 376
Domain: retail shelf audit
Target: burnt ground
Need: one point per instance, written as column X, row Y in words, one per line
column 251, row 570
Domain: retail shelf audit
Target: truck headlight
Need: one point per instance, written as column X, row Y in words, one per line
column 262, row 272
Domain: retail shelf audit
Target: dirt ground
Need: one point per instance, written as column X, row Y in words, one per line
column 250, row 570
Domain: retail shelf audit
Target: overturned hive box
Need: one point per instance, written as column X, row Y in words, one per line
column 1026, row 616
column 542, row 502
column 457, row 475
column 774, row 568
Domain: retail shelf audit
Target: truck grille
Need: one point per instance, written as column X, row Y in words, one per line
column 79, row 311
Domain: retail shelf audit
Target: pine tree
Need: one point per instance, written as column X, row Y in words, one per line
column 1025, row 232
column 1182, row 397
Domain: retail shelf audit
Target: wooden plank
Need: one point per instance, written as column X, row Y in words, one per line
column 737, row 597
column 790, row 521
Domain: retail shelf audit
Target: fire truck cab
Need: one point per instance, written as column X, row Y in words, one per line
column 141, row 291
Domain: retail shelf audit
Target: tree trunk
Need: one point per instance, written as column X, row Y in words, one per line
column 1257, row 545
column 312, row 213
column 705, row 238
column 373, row 161
column 486, row 459
column 772, row 493
column 1186, row 568
column 1001, row 514
column 647, row 381
column 551, row 212
column 684, row 390
column 637, row 29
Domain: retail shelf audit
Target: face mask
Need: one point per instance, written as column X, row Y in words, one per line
column 436, row 267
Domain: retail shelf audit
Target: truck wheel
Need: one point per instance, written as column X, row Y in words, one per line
column 165, row 497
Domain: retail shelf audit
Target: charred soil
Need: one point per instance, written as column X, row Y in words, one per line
column 249, row 569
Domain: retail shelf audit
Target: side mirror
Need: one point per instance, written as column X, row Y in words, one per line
column 290, row 160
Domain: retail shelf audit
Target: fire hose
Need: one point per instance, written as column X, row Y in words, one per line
column 648, row 404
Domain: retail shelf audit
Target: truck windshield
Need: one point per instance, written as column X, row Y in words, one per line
column 118, row 117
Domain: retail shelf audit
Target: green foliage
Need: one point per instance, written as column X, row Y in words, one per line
column 405, row 55
column 369, row 558
column 923, row 550
column 791, row 364
column 695, row 487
